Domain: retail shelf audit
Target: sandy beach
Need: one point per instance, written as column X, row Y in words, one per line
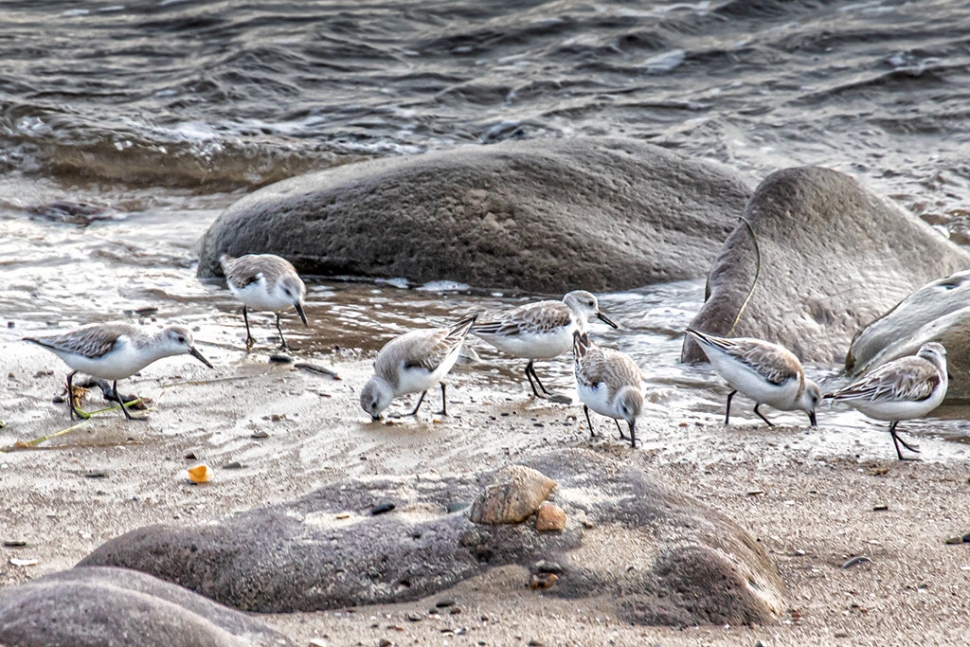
column 813, row 498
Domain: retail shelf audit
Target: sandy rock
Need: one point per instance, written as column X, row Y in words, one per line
column 691, row 565
column 544, row 215
column 938, row 311
column 550, row 518
column 103, row 607
column 516, row 493
column 834, row 256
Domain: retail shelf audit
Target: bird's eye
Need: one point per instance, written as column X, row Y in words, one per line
column 181, row 339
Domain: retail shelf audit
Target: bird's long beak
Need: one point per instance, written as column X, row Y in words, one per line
column 602, row 317
column 299, row 311
column 811, row 418
column 194, row 352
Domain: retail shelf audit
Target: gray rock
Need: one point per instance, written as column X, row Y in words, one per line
column 547, row 215
column 938, row 311
column 834, row 256
column 692, row 565
column 108, row 607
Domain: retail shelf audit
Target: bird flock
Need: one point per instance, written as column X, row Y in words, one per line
column 608, row 382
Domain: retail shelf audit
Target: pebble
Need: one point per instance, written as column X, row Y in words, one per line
column 441, row 604
column 550, row 518
column 535, row 642
column 546, row 566
column 458, row 506
column 259, row 435
column 880, row 507
column 96, row 475
column 381, row 508
column 280, row 358
column 235, row 465
column 415, row 617
column 317, row 642
column 384, row 643
column 515, row 493
column 14, row 543
column 542, row 580
column 859, row 559
column 957, row 539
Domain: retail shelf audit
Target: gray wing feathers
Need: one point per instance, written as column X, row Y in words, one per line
column 908, row 378
column 538, row 317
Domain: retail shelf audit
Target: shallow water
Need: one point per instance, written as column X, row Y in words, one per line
column 125, row 128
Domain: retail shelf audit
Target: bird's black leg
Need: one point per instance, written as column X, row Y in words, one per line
column 620, row 429
column 120, row 400
column 444, row 401
column 418, row 405
column 897, row 441
column 70, row 398
column 283, row 344
column 633, row 435
column 727, row 415
column 767, row 422
column 530, row 372
column 588, row 421
column 250, row 340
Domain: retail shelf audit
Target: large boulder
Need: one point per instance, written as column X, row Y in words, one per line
column 834, row 256
column 107, row 607
column 939, row 311
column 329, row 550
column 548, row 215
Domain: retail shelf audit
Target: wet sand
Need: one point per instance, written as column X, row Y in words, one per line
column 809, row 496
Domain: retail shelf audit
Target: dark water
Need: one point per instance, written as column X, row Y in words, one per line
column 125, row 127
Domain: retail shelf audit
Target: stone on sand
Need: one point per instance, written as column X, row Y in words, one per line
column 545, row 215
column 834, row 256
column 103, row 607
column 514, row 495
column 550, row 518
column 691, row 565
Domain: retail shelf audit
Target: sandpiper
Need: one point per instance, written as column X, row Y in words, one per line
column 413, row 363
column 541, row 330
column 264, row 282
column 609, row 383
column 903, row 389
column 765, row 372
column 114, row 351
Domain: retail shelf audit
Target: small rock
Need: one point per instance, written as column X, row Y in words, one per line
column 200, row 474
column 14, row 543
column 545, row 566
column 191, row 456
column 317, row 642
column 859, row 559
column 235, row 465
column 550, row 518
column 280, row 358
column 966, row 538
column 799, row 552
column 458, row 506
column 100, row 474
column 515, row 493
column 16, row 561
column 381, row 508
column 542, row 580
column 880, row 507
column 755, row 492
column 441, row 604
column 957, row 539
column 455, row 611
column 415, row 617
column 259, row 435
column 384, row 642
column 535, row 642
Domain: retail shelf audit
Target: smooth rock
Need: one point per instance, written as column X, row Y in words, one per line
column 692, row 565
column 544, row 215
column 938, row 311
column 834, row 256
column 106, row 607
column 514, row 495
column 550, row 518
